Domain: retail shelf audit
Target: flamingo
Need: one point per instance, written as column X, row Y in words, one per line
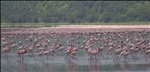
column 48, row 52
column 101, row 49
column 72, row 54
column 92, row 52
column 141, row 42
column 136, row 50
column 117, row 52
column 110, row 49
column 68, row 51
column 35, row 40
column 6, row 50
column 125, row 53
column 31, row 48
column 14, row 45
column 21, row 53
column 147, row 53
column 20, row 43
column 40, row 54
column 129, row 44
column 61, row 49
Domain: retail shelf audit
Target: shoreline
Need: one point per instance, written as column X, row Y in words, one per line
column 78, row 28
column 100, row 26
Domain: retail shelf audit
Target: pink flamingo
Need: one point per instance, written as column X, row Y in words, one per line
column 125, row 54
column 61, row 49
column 68, row 51
column 48, row 52
column 117, row 52
column 101, row 49
column 31, row 48
column 20, row 43
column 92, row 52
column 4, row 43
column 110, row 49
column 136, row 50
column 147, row 53
column 6, row 50
column 141, row 42
column 21, row 53
column 40, row 54
column 73, row 53
column 14, row 45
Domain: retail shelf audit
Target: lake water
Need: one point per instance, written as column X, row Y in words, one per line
column 11, row 63
column 60, row 64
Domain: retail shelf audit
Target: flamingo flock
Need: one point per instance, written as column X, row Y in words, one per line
column 45, row 43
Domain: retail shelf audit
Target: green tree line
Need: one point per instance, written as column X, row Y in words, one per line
column 74, row 11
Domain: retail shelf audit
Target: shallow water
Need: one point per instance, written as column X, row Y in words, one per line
column 60, row 64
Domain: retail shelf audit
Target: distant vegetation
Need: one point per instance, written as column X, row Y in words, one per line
column 74, row 11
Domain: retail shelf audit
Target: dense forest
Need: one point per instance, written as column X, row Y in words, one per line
column 74, row 11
